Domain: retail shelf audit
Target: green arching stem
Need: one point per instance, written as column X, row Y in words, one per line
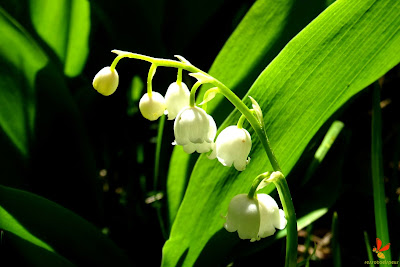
column 150, row 76
column 115, row 62
column 193, row 93
column 256, row 182
column 232, row 97
column 286, row 199
column 278, row 180
column 240, row 121
column 179, row 77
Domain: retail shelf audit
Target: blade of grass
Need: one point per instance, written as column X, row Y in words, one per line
column 335, row 241
column 323, row 149
column 306, row 262
column 312, row 255
column 369, row 250
column 157, row 173
column 158, row 152
column 381, row 222
column 307, row 242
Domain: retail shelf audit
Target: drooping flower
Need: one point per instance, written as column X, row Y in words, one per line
column 176, row 98
column 152, row 107
column 254, row 218
column 233, row 146
column 106, row 81
column 195, row 130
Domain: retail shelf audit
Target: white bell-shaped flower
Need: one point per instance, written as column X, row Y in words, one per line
column 233, row 146
column 195, row 130
column 176, row 98
column 254, row 218
column 152, row 107
column 106, row 81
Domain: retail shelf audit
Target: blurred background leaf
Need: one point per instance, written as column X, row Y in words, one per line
column 64, row 232
column 21, row 59
column 43, row 124
column 65, row 26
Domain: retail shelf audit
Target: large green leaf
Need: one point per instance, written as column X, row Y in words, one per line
column 65, row 26
column 46, row 225
column 259, row 37
column 346, row 48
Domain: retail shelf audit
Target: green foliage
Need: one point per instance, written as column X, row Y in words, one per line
column 18, row 106
column 64, row 231
column 262, row 33
column 65, row 27
column 85, row 180
column 332, row 59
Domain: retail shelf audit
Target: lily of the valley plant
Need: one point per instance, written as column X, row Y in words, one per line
column 253, row 215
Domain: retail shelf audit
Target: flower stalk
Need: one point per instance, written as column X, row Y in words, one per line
column 193, row 93
column 179, row 77
column 256, row 183
column 286, row 199
column 241, row 121
column 150, row 76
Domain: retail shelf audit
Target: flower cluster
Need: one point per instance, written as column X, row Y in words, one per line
column 253, row 216
column 194, row 129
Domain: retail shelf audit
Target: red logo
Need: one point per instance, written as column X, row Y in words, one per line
column 378, row 250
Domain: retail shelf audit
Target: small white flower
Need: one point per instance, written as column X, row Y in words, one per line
column 195, row 130
column 152, row 107
column 106, row 81
column 176, row 98
column 254, row 218
column 233, row 146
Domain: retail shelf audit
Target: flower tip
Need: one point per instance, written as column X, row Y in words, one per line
column 152, row 107
column 233, row 146
column 176, row 98
column 106, row 81
column 254, row 218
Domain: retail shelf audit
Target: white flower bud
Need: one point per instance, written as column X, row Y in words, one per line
column 195, row 130
column 233, row 146
column 106, row 81
column 152, row 107
column 176, row 98
column 254, row 218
